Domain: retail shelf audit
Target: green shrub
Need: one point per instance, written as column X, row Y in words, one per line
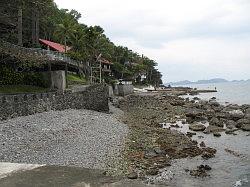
column 8, row 76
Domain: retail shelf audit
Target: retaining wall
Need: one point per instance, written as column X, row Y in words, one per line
column 95, row 97
column 125, row 89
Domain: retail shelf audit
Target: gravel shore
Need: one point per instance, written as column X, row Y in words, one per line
column 81, row 138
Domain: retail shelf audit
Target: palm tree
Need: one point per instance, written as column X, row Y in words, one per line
column 64, row 30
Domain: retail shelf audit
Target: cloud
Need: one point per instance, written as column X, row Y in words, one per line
column 192, row 39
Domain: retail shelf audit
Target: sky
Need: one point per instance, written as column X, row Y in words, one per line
column 189, row 39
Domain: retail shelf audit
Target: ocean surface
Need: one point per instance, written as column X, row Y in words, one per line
column 231, row 92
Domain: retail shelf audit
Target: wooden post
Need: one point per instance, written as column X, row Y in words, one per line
column 50, row 75
column 20, row 26
column 100, row 67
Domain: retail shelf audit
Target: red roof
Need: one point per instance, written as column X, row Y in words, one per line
column 105, row 61
column 56, row 46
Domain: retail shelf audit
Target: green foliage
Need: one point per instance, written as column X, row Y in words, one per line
column 75, row 79
column 8, row 76
column 11, row 89
column 87, row 42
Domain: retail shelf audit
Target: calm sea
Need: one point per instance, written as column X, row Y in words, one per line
column 232, row 92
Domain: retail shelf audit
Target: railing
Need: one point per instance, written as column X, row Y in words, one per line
column 38, row 53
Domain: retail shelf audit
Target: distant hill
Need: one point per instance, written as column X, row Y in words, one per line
column 216, row 80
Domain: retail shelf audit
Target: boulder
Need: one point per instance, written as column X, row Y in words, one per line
column 132, row 175
column 217, row 134
column 150, row 153
column 241, row 122
column 190, row 134
column 213, row 129
column 208, row 152
column 215, row 122
column 202, row 144
column 245, row 127
column 214, row 103
column 152, row 171
column 231, row 131
column 197, row 127
column 193, row 113
column 247, row 113
column 230, row 124
column 235, row 115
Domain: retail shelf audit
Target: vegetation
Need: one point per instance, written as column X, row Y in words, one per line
column 11, row 89
column 9, row 76
column 75, row 79
column 29, row 20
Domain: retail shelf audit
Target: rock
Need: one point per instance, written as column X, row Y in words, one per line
column 245, row 127
column 196, row 98
column 231, row 131
column 215, row 122
column 152, row 171
column 190, row 134
column 201, row 171
column 190, row 120
column 241, row 122
column 132, row 175
column 233, row 152
column 216, row 134
column 197, row 127
column 214, row 103
column 202, row 144
column 150, row 153
column 205, row 167
column 247, row 113
column 175, row 125
column 208, row 152
column 235, row 114
column 193, row 113
column 230, row 124
column 213, row 129
column 159, row 151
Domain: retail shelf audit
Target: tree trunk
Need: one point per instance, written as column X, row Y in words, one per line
column 33, row 27
column 20, row 26
column 66, row 64
column 37, row 28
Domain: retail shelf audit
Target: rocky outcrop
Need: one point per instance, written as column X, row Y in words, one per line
column 197, row 127
column 213, row 129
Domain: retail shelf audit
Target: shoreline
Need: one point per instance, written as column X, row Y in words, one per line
column 151, row 150
column 146, row 112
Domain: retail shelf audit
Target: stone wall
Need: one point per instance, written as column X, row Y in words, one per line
column 95, row 97
column 125, row 89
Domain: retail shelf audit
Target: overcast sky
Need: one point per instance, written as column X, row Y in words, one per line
column 189, row 39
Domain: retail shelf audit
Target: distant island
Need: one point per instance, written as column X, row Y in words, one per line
column 209, row 81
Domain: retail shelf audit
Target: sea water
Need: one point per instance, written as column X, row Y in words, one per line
column 230, row 92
